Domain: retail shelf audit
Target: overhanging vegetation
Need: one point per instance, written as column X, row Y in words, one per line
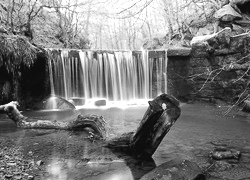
column 16, row 50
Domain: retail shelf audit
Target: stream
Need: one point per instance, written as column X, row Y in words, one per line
column 72, row 155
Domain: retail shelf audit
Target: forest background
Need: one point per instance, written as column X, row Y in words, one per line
column 109, row 24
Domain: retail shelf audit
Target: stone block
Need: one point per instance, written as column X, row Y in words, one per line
column 200, row 51
column 240, row 43
column 179, row 51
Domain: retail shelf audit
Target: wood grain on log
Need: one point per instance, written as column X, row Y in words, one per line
column 161, row 114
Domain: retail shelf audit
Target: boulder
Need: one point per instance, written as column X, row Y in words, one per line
column 227, row 14
column 221, row 153
column 78, row 101
column 246, row 105
column 55, row 102
column 218, row 40
column 101, row 102
column 176, row 170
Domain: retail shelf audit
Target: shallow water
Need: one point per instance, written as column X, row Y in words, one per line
column 71, row 155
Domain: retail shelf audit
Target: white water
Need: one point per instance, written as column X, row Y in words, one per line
column 124, row 76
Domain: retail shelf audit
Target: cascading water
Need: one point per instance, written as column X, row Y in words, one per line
column 115, row 76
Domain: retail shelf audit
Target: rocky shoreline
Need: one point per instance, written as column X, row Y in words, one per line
column 13, row 165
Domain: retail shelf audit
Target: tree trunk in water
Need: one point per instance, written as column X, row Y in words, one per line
column 161, row 114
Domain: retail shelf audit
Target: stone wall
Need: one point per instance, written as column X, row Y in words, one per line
column 217, row 67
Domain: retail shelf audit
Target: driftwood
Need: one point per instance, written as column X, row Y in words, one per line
column 161, row 114
column 97, row 123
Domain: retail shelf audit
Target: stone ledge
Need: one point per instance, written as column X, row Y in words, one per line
column 179, row 51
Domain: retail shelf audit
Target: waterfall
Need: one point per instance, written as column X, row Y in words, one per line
column 110, row 75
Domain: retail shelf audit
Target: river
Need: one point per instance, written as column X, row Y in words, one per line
column 71, row 155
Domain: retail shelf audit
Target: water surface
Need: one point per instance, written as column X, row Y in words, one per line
column 71, row 155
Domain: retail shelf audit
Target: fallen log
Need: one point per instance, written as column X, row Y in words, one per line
column 97, row 123
column 161, row 114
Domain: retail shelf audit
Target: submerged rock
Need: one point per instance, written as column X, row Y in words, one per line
column 225, row 153
column 77, row 101
column 173, row 170
column 101, row 102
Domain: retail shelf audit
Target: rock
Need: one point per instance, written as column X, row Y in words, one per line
column 204, row 31
column 8, row 176
column 11, row 164
column 200, row 40
column 239, row 43
column 225, row 153
column 100, row 102
column 238, row 29
column 227, row 14
column 218, row 40
column 78, row 101
column 180, row 51
column 17, row 177
column 246, row 105
column 39, row 163
column 30, row 177
column 239, row 2
column 55, row 102
column 176, row 170
column 30, row 153
column 3, row 30
column 222, row 166
column 242, row 6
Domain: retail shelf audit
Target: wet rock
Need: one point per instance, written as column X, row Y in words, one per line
column 101, row 102
column 11, row 164
column 225, row 153
column 8, row 176
column 222, row 166
column 78, row 101
column 176, row 170
column 55, row 102
column 246, row 106
column 39, row 163
column 30, row 177
column 30, row 153
column 17, row 177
